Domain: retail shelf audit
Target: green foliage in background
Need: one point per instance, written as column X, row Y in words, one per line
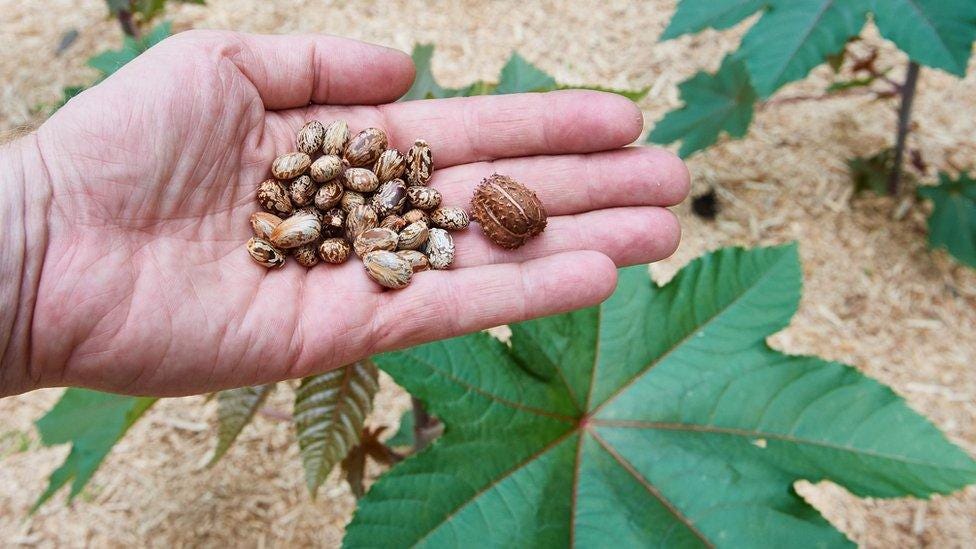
column 794, row 36
column 952, row 224
column 660, row 418
column 516, row 76
column 92, row 422
column 145, row 9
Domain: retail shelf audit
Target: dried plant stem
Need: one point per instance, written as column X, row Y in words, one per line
column 904, row 118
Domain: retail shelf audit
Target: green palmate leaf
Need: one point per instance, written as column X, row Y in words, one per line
column 668, row 422
column 633, row 95
column 697, row 15
column 235, row 408
column 520, row 76
column 92, row 423
column 793, row 36
column 425, row 86
column 713, row 103
column 329, row 412
column 952, row 224
column 937, row 33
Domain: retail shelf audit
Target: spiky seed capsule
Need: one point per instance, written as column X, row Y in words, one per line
column 273, row 196
column 309, row 140
column 509, row 212
column 290, row 165
column 264, row 253
column 334, row 250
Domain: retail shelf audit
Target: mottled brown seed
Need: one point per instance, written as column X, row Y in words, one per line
column 298, row 229
column 439, row 248
column 264, row 253
column 390, row 197
column 425, row 198
column 393, row 222
column 334, row 250
column 420, row 163
column 360, row 180
column 307, row 255
column 390, row 165
column 388, row 269
column 412, row 216
column 335, row 139
column 418, row 261
column 509, row 213
column 333, row 222
column 328, row 196
column 365, row 147
column 359, row 220
column 325, row 168
column 309, row 140
column 413, row 236
column 308, row 210
column 351, row 199
column 273, row 196
column 375, row 239
column 301, row 190
column 290, row 165
column 263, row 223
column 450, row 218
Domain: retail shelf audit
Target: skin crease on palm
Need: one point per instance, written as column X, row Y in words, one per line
column 145, row 183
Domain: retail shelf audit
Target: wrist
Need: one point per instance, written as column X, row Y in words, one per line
column 24, row 205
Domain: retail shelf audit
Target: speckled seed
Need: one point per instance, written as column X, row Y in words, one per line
column 325, row 168
column 375, row 239
column 413, row 236
column 351, row 199
column 335, row 139
column 290, row 165
column 365, row 147
column 360, row 180
column 388, row 269
column 308, row 210
column 418, row 261
column 359, row 220
column 450, row 218
column 334, row 250
column 264, row 253
column 298, row 229
column 333, row 222
column 393, row 222
column 390, row 165
column 390, row 197
column 420, row 163
column 412, row 216
column 263, row 223
column 273, row 197
column 309, row 140
column 307, row 255
column 328, row 195
column 440, row 248
column 301, row 190
column 425, row 198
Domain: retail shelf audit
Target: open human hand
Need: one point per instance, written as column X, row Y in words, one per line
column 136, row 198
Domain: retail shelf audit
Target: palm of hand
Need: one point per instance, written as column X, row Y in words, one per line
column 146, row 287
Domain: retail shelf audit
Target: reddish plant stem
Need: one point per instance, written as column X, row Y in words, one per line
column 904, row 118
column 425, row 426
column 128, row 25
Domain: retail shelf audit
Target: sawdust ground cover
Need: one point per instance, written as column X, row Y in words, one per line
column 874, row 296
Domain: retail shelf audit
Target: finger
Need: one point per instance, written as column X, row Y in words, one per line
column 293, row 71
column 628, row 236
column 442, row 304
column 470, row 129
column 569, row 184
